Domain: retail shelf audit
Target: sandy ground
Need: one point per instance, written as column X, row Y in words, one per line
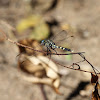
column 78, row 13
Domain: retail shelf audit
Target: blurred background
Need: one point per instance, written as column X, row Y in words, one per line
column 29, row 22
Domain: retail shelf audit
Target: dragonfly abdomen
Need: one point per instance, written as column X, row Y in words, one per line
column 63, row 48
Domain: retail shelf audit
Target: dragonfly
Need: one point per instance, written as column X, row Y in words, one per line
column 49, row 44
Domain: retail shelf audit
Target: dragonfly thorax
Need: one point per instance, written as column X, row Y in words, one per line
column 48, row 44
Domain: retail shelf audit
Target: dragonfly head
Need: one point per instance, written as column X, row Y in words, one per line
column 43, row 42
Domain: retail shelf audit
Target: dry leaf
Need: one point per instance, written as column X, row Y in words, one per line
column 42, row 69
column 94, row 78
column 31, row 43
column 95, row 94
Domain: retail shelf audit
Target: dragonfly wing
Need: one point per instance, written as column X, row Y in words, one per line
column 63, row 39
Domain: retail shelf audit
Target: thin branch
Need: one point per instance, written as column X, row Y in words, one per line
column 89, row 63
column 69, row 67
column 80, row 53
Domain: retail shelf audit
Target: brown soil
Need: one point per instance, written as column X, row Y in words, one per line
column 83, row 14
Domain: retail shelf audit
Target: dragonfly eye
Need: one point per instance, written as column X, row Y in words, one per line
column 42, row 42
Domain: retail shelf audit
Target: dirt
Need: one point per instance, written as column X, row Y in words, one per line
column 83, row 15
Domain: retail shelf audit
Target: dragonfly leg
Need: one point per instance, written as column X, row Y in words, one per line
column 48, row 51
column 55, row 51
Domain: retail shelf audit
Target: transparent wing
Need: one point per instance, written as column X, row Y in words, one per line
column 63, row 39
